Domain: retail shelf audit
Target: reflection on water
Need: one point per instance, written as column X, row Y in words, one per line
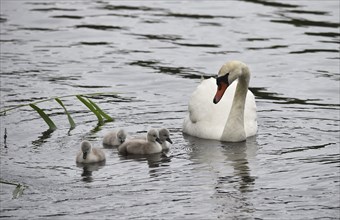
column 233, row 177
column 42, row 139
column 238, row 154
column 89, row 168
column 152, row 160
column 233, row 155
column 5, row 138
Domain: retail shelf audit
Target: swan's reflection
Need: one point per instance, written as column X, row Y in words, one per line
column 229, row 163
column 223, row 153
column 88, row 169
column 239, row 154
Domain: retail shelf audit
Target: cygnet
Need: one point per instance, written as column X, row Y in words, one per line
column 164, row 137
column 89, row 154
column 115, row 138
column 139, row 146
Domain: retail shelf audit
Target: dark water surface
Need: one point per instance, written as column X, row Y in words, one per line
column 154, row 53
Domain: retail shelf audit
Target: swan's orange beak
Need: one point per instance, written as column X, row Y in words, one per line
column 220, row 91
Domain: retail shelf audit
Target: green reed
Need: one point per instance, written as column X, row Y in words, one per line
column 93, row 107
column 19, row 189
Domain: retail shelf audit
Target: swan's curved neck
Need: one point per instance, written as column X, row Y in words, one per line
column 234, row 128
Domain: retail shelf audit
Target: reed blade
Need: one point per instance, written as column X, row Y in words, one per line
column 92, row 108
column 106, row 116
column 18, row 191
column 47, row 119
column 70, row 120
column 3, row 111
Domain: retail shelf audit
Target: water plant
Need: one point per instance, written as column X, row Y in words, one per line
column 43, row 115
column 19, row 189
column 93, row 107
column 70, row 120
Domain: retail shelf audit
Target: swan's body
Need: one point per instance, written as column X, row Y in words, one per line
column 88, row 154
column 114, row 138
column 150, row 145
column 233, row 117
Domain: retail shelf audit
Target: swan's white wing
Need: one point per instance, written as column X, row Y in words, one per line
column 206, row 119
column 250, row 115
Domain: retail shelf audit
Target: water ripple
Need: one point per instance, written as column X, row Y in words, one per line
column 273, row 4
column 100, row 27
column 299, row 22
column 130, row 8
column 185, row 72
column 68, row 16
column 53, row 9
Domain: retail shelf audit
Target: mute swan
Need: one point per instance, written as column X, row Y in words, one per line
column 140, row 146
column 114, row 138
column 88, row 154
column 231, row 118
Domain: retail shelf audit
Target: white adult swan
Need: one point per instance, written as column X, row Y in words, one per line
column 233, row 119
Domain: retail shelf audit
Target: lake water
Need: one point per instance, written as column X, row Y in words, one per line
column 153, row 54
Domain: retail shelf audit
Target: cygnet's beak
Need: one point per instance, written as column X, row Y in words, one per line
column 169, row 140
column 158, row 140
column 84, row 155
